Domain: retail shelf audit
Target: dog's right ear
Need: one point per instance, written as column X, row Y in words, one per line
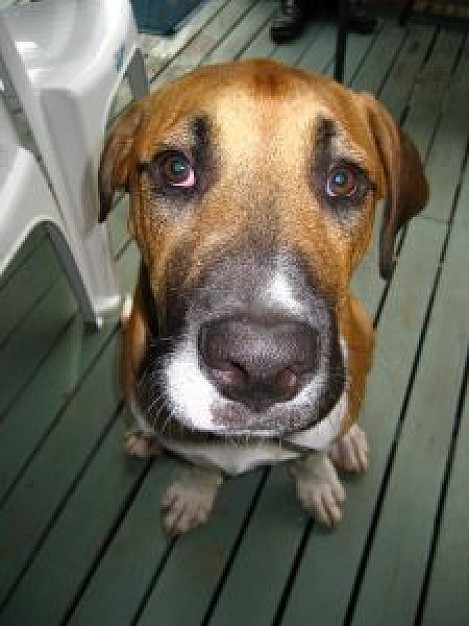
column 114, row 166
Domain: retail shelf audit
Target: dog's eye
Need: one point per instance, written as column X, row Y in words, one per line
column 342, row 182
column 176, row 170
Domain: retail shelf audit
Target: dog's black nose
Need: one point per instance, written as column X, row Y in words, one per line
column 259, row 361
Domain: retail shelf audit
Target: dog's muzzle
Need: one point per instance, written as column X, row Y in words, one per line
column 254, row 354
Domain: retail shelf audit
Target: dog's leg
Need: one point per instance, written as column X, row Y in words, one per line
column 189, row 500
column 139, row 440
column 350, row 452
column 318, row 487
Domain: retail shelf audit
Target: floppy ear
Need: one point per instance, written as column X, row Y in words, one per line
column 406, row 188
column 114, row 166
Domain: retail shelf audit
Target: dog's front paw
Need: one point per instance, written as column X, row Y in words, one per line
column 188, row 502
column 140, row 445
column 350, row 452
column 319, row 489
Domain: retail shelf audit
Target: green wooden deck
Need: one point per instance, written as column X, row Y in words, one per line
column 80, row 536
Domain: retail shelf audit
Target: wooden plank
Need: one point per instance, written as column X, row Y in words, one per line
column 198, row 560
column 320, row 54
column 444, row 164
column 206, row 41
column 53, row 386
column 358, row 49
column 37, row 499
column 160, row 51
column 400, row 83
column 195, row 560
column 50, row 584
column 398, row 337
column 395, row 569
column 261, row 46
column 122, row 576
column 447, row 599
column 26, row 287
column 33, row 340
column 251, row 592
column 242, row 34
column 385, row 46
column 430, row 88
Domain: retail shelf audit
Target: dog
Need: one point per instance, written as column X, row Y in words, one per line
column 253, row 190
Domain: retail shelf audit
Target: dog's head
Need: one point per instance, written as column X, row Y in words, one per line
column 253, row 191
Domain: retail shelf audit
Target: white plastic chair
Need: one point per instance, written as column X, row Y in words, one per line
column 26, row 202
column 66, row 59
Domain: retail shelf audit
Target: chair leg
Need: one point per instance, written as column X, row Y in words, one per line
column 341, row 40
column 137, row 75
column 406, row 12
column 69, row 264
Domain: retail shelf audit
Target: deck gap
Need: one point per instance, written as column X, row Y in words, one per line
column 228, row 32
column 399, row 49
column 61, row 507
column 368, row 51
column 283, row 603
column 110, row 535
column 234, row 551
column 54, row 423
column 443, row 493
column 317, row 33
column 254, row 35
column 161, row 565
column 430, row 49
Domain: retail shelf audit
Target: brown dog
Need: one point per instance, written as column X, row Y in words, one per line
column 253, row 192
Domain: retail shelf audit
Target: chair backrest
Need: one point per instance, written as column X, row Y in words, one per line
column 8, row 132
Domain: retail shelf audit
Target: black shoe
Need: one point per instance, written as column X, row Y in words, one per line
column 360, row 20
column 296, row 14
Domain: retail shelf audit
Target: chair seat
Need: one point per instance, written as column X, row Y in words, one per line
column 57, row 44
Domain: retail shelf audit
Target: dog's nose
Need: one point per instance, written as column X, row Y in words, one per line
column 259, row 362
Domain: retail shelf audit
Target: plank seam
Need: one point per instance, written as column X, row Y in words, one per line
column 443, row 493
column 234, row 550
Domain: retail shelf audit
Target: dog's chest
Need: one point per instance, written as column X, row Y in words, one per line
column 239, row 457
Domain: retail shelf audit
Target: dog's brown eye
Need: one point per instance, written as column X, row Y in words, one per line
column 176, row 170
column 341, row 183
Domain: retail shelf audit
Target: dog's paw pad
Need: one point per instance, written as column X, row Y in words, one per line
column 187, row 504
column 320, row 491
column 140, row 445
column 351, row 451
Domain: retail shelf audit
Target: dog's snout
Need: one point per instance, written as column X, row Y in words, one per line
column 259, row 362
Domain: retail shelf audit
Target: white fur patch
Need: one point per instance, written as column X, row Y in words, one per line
column 191, row 394
column 280, row 295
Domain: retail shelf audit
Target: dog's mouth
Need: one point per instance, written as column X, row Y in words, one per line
column 267, row 370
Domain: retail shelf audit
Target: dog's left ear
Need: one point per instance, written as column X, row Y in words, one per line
column 406, row 188
column 114, row 166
